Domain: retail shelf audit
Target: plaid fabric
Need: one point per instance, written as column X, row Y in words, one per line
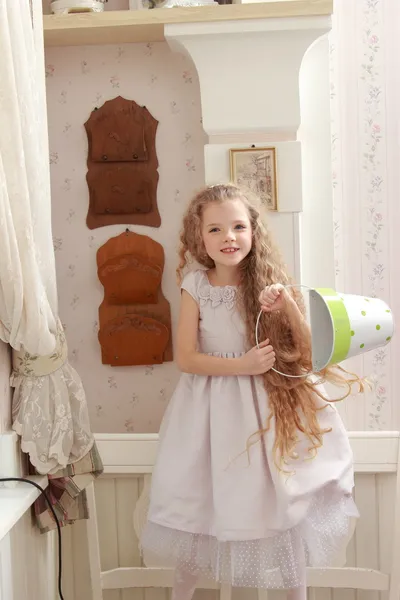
column 66, row 492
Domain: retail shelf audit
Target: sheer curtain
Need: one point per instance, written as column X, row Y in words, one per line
column 49, row 407
column 365, row 96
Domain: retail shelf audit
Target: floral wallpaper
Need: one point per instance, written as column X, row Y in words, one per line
column 126, row 399
column 365, row 50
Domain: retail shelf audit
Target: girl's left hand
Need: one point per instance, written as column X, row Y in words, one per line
column 273, row 297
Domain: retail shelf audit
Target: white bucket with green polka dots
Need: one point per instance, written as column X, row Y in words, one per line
column 344, row 325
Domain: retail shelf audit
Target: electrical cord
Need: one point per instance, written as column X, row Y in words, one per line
column 39, row 487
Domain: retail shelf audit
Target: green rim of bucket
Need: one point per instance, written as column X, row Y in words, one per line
column 340, row 322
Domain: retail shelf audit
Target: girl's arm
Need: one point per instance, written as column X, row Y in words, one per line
column 254, row 362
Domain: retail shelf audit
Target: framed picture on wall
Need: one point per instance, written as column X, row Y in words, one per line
column 255, row 169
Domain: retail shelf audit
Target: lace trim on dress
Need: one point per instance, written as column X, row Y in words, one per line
column 216, row 294
column 274, row 562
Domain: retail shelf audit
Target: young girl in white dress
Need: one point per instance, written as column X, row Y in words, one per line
column 254, row 476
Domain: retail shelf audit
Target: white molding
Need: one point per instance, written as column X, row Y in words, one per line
column 128, row 26
column 374, row 451
column 268, row 25
column 127, row 453
column 241, row 89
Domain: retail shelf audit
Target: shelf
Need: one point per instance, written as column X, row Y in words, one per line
column 15, row 501
column 118, row 27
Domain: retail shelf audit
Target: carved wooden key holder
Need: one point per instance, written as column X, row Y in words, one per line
column 122, row 165
column 135, row 317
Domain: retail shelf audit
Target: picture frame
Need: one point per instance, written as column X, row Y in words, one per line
column 255, row 169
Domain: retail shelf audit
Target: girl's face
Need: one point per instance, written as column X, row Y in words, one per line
column 226, row 232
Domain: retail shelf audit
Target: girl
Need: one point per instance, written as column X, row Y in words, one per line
column 254, row 475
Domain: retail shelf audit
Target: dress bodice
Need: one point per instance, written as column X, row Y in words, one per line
column 221, row 327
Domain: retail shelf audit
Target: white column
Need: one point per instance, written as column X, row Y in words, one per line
column 317, row 226
column 249, row 85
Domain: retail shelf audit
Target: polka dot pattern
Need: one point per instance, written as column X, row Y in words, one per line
column 366, row 333
column 269, row 563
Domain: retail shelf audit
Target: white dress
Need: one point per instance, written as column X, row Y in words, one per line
column 223, row 513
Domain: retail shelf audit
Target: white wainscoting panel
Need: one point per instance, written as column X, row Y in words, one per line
column 27, row 563
column 128, row 458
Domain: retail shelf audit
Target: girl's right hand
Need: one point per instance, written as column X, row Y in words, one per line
column 257, row 360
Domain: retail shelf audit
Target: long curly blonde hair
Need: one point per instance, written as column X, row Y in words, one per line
column 292, row 401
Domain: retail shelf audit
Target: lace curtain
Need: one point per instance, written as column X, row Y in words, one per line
column 49, row 408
